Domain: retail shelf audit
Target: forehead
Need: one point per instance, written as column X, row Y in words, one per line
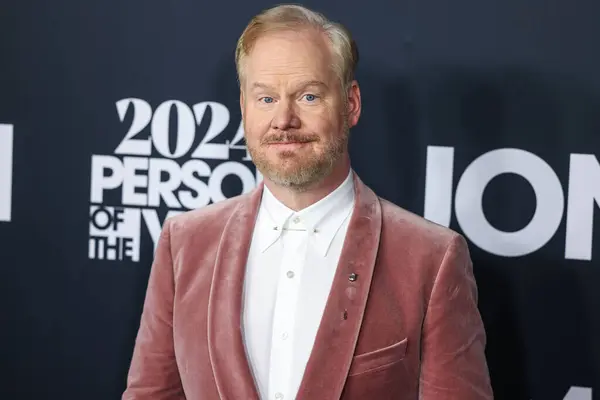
column 304, row 54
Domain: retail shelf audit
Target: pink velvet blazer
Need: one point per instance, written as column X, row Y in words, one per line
column 407, row 327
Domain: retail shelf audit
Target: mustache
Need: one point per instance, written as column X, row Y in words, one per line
column 289, row 137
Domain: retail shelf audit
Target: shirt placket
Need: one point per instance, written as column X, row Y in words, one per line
column 290, row 271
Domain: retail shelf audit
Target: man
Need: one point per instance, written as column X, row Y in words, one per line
column 310, row 287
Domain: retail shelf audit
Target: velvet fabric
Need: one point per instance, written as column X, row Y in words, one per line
column 407, row 327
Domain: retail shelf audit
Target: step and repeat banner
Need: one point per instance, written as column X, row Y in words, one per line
column 480, row 116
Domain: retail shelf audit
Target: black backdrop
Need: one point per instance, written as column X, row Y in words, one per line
column 484, row 116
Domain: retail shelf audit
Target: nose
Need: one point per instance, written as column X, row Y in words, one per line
column 285, row 117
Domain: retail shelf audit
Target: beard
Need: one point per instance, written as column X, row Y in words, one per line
column 296, row 170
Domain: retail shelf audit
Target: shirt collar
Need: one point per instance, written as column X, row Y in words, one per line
column 322, row 219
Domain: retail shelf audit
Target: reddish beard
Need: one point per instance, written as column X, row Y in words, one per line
column 298, row 171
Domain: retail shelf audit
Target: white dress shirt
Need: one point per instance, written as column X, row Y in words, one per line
column 291, row 264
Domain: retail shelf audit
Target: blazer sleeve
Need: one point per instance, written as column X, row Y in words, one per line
column 453, row 363
column 153, row 374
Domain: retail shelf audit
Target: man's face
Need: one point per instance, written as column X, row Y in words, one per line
column 296, row 118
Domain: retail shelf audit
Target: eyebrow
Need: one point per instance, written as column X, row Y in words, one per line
column 313, row 83
column 259, row 85
column 304, row 85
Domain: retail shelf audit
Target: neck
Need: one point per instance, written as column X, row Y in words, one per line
column 298, row 200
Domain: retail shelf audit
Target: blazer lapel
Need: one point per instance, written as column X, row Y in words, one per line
column 330, row 359
column 227, row 352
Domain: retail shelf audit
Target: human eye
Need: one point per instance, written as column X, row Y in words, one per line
column 266, row 100
column 311, row 98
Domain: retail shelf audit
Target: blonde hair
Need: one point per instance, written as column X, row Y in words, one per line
column 292, row 17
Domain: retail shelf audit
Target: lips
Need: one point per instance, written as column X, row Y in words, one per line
column 287, row 145
column 290, row 142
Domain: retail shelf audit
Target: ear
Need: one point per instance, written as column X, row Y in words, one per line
column 354, row 104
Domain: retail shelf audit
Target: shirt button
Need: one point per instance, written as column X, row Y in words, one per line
column 296, row 220
column 290, row 274
column 279, row 396
column 284, row 335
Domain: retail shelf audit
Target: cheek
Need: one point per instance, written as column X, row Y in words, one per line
column 256, row 124
column 317, row 117
column 325, row 123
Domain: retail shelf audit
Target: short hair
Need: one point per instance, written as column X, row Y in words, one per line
column 292, row 17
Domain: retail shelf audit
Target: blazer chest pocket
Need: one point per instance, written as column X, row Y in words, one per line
column 378, row 359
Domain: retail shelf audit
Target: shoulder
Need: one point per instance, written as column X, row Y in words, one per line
column 406, row 223
column 210, row 218
column 425, row 242
column 427, row 250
